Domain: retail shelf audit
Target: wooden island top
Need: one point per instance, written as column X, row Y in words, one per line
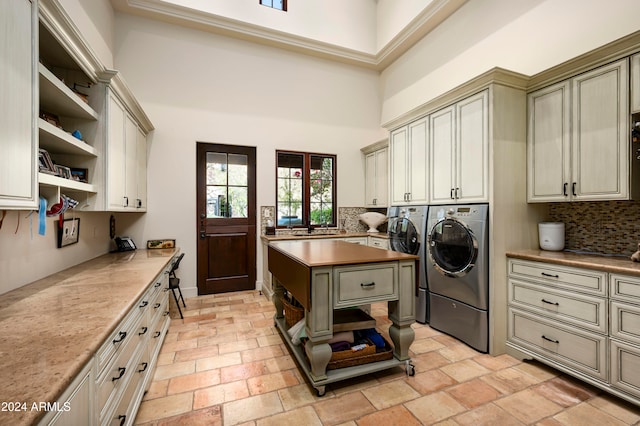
column 330, row 252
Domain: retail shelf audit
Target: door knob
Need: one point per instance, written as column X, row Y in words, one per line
column 203, row 235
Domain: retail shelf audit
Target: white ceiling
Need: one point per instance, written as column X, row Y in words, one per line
column 368, row 33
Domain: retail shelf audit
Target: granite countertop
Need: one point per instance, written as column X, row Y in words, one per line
column 329, row 253
column 319, row 235
column 605, row 263
column 50, row 329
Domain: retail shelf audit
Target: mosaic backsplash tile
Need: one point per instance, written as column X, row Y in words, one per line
column 347, row 219
column 605, row 227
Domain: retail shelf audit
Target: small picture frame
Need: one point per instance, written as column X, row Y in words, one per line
column 161, row 244
column 80, row 175
column 69, row 233
column 63, row 171
column 45, row 164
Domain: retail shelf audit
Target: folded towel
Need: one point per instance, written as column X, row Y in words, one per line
column 344, row 336
column 340, row 346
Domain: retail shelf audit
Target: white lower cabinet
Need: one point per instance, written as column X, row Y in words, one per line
column 378, row 242
column 582, row 321
column 109, row 389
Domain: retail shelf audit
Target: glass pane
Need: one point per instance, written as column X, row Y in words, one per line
column 277, row 4
column 267, row 2
column 238, row 167
column 216, row 168
column 216, row 201
column 321, row 213
column 238, row 201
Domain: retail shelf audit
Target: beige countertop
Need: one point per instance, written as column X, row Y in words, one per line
column 50, row 329
column 326, row 253
column 319, row 235
column 615, row 264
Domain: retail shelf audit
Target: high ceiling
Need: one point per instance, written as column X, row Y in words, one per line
column 368, row 33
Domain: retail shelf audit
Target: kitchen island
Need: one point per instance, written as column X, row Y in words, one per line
column 327, row 275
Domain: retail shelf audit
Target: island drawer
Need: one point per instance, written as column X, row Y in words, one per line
column 585, row 280
column 362, row 284
column 579, row 349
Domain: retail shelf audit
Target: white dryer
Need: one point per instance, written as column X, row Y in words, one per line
column 458, row 272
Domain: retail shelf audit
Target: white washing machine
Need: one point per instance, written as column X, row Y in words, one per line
column 406, row 230
column 458, row 272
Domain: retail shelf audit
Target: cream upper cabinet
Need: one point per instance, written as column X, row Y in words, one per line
column 18, row 109
column 577, row 138
column 409, row 163
column 459, row 141
column 635, row 83
column 376, row 171
column 126, row 159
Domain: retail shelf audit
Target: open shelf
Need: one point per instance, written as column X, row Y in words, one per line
column 56, row 140
column 51, row 180
column 57, row 98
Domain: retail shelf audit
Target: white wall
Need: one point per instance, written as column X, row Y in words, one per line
column 95, row 21
column 26, row 256
column 393, row 15
column 526, row 36
column 350, row 24
column 196, row 86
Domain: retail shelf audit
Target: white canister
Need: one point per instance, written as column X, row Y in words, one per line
column 551, row 235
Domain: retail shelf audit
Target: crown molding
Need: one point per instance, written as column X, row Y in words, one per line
column 434, row 14
column 494, row 76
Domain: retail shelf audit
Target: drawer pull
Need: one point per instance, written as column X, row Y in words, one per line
column 550, row 340
column 155, row 336
column 120, row 337
column 143, row 304
column 371, row 284
column 165, row 313
column 121, row 370
column 550, row 303
column 544, row 274
column 123, row 419
column 144, row 367
column 156, row 306
column 158, row 284
column 144, row 331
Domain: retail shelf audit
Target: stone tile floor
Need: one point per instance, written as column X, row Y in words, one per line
column 226, row 364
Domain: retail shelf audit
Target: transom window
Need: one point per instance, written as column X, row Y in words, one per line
column 276, row 4
column 306, row 193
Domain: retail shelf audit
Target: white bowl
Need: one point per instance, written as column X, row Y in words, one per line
column 372, row 220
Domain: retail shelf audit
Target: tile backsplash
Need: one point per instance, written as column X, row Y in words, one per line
column 606, row 227
column 347, row 219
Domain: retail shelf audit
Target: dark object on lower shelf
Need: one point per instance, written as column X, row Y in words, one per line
column 349, row 358
column 292, row 314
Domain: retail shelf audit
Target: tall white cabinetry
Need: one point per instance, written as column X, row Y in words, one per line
column 18, row 86
column 460, row 152
column 126, row 161
column 409, row 159
column 577, row 137
column 376, row 174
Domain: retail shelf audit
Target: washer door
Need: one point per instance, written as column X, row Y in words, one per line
column 403, row 236
column 453, row 248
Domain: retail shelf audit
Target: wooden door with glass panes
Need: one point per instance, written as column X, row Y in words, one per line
column 226, row 208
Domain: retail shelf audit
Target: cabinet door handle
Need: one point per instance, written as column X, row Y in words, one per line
column 143, row 304
column 451, row 194
column 550, row 340
column 158, row 284
column 573, row 189
column 457, row 190
column 120, row 337
column 156, row 306
column 144, row 330
column 123, row 419
column 121, row 370
column 144, row 367
column 155, row 336
column 126, row 202
column 371, row 284
column 544, row 274
column 564, row 189
column 138, row 203
column 550, row 303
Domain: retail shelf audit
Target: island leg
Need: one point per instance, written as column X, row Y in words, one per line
column 278, row 294
column 402, row 337
column 319, row 354
column 402, row 311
